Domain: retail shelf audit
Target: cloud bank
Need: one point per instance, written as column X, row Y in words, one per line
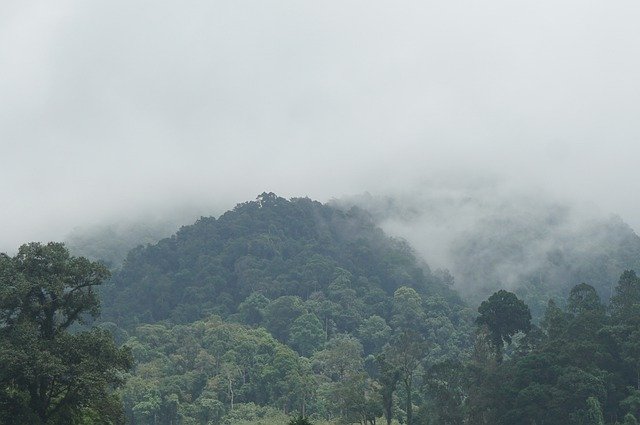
column 119, row 108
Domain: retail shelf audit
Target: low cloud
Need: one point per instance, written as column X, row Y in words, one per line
column 122, row 108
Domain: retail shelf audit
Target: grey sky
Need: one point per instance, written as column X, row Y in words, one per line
column 109, row 108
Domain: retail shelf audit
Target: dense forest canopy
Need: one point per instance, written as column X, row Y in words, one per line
column 292, row 311
column 323, row 286
column 49, row 372
column 268, row 249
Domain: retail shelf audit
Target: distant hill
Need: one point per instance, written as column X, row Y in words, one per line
column 488, row 239
column 110, row 243
column 264, row 250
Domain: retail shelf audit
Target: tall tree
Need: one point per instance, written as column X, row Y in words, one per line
column 408, row 346
column 49, row 375
column 388, row 377
column 625, row 311
column 504, row 315
column 594, row 412
column 306, row 334
column 584, row 298
column 625, row 303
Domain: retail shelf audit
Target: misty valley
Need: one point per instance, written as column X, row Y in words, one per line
column 291, row 311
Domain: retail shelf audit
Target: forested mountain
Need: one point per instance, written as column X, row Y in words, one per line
column 282, row 308
column 290, row 304
column 264, row 250
column 537, row 247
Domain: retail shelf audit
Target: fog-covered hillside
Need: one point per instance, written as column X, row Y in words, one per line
column 533, row 245
column 486, row 237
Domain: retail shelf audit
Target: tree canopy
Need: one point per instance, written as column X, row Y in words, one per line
column 504, row 315
column 48, row 374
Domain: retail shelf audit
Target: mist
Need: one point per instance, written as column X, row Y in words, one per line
column 491, row 237
column 120, row 110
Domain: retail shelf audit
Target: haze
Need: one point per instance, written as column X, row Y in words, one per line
column 129, row 108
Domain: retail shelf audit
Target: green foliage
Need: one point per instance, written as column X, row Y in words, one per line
column 320, row 286
column 625, row 303
column 583, row 299
column 252, row 414
column 207, row 370
column 504, row 315
column 299, row 421
column 582, row 369
column 374, row 333
column 306, row 334
column 49, row 374
column 274, row 249
column 594, row 412
column 288, row 307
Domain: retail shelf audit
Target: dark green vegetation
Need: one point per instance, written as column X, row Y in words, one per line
column 294, row 312
column 270, row 250
column 581, row 366
column 49, row 375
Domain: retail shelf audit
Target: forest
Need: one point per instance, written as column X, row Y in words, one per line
column 293, row 311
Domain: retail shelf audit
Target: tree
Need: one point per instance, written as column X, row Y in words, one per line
column 388, row 377
column 407, row 310
column 280, row 313
column 306, row 334
column 252, row 308
column 374, row 334
column 445, row 383
column 554, row 321
column 49, row 375
column 625, row 303
column 408, row 346
column 504, row 315
column 339, row 365
column 584, row 298
column 625, row 311
column 406, row 353
column 594, row 412
column 299, row 421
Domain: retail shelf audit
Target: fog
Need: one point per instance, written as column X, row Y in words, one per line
column 130, row 109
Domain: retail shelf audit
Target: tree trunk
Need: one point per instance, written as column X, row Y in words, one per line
column 388, row 407
column 231, row 392
column 407, row 384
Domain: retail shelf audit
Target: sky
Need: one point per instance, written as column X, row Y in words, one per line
column 123, row 108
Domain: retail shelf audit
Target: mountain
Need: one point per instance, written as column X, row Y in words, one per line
column 282, row 307
column 265, row 250
column 279, row 306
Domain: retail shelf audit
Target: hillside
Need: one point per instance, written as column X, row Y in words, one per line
column 268, row 248
column 281, row 308
column 275, row 296
column 491, row 239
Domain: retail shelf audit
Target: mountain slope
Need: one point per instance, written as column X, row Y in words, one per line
column 491, row 239
column 270, row 247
